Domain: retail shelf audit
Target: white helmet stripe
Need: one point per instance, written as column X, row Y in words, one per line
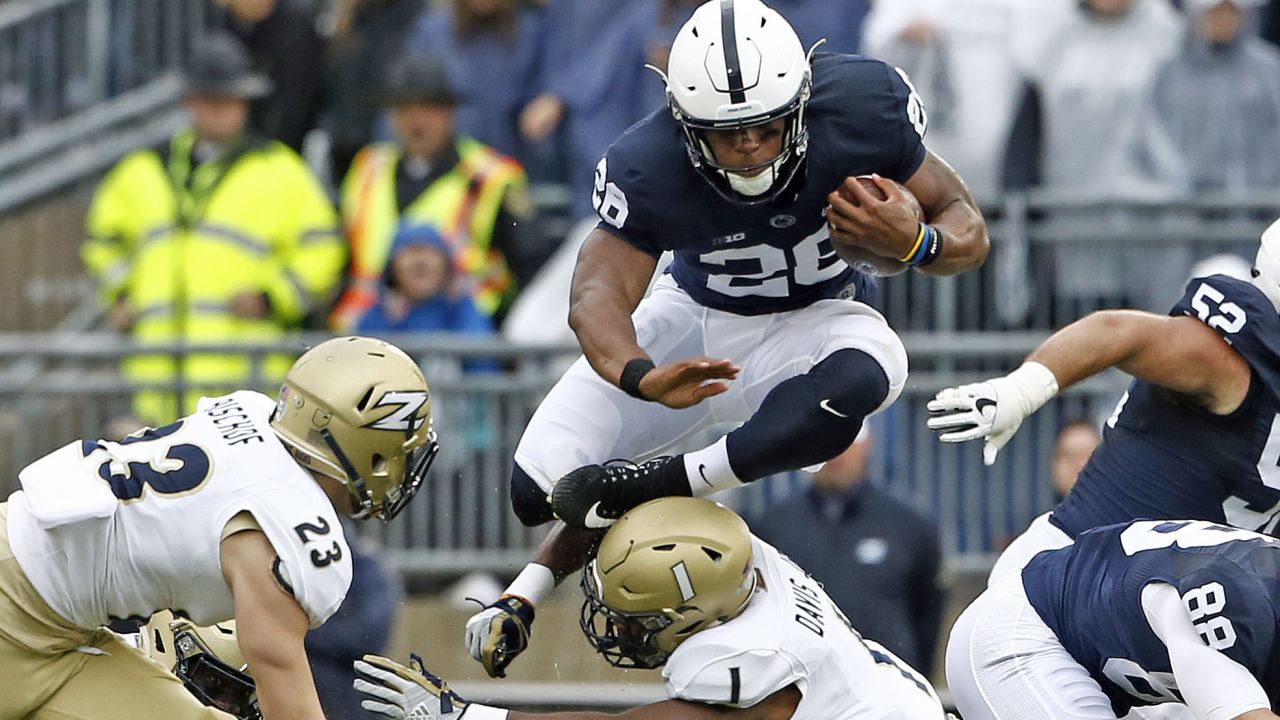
column 729, row 38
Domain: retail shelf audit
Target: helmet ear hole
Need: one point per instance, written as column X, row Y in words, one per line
column 379, row 464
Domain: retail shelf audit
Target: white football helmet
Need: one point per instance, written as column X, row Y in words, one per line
column 736, row 64
column 1266, row 267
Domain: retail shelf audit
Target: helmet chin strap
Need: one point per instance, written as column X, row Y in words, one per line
column 752, row 186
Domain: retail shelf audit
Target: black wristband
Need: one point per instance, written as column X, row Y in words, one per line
column 932, row 247
column 632, row 373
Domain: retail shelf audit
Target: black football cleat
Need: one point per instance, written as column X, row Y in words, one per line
column 595, row 496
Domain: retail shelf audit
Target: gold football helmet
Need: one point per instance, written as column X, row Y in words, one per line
column 667, row 569
column 358, row 410
column 206, row 659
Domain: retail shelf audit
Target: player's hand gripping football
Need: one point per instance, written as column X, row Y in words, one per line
column 400, row 692
column 498, row 633
column 886, row 226
column 993, row 409
column 685, row 383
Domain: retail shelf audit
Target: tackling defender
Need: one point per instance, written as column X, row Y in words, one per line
column 1197, row 435
column 1146, row 613
column 739, row 631
column 755, row 322
column 229, row 512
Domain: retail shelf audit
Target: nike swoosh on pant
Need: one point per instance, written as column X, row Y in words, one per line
column 826, row 405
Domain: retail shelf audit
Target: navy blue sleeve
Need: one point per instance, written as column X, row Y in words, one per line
column 876, row 118
column 623, row 190
column 1243, row 316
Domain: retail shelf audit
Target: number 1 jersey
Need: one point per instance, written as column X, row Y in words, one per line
column 121, row 530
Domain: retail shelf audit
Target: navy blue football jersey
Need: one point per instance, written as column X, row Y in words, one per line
column 863, row 117
column 1089, row 594
column 1165, row 456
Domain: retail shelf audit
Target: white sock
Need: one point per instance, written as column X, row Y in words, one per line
column 709, row 471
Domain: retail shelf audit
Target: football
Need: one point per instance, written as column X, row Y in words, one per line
column 860, row 258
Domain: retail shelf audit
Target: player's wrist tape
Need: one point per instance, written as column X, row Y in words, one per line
column 927, row 248
column 476, row 711
column 632, row 373
column 1034, row 384
column 533, row 583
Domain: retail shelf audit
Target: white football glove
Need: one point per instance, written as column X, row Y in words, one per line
column 411, row 693
column 993, row 409
column 498, row 633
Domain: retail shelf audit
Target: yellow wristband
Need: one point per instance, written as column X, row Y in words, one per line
column 915, row 248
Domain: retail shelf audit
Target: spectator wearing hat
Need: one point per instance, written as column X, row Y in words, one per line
column 217, row 237
column 420, row 293
column 283, row 42
column 1218, row 100
column 476, row 198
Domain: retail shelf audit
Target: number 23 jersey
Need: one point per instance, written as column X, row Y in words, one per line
column 121, row 530
column 1164, row 456
column 792, row 634
column 862, row 117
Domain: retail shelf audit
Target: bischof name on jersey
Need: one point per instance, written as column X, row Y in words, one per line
column 233, row 424
column 406, row 417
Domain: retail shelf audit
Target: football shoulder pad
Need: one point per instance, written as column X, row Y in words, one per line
column 313, row 559
column 735, row 676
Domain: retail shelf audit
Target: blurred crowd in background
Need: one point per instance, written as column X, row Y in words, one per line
column 373, row 158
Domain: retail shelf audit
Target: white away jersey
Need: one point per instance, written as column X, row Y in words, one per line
column 791, row 633
column 120, row 530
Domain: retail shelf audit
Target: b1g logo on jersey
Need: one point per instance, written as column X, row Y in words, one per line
column 405, row 418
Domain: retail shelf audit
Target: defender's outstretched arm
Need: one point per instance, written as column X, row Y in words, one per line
column 1179, row 353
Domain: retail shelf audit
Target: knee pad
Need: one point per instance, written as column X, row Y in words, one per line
column 531, row 505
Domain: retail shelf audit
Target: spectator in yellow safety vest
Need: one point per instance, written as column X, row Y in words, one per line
column 217, row 237
column 475, row 197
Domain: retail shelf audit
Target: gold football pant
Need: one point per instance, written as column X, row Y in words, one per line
column 52, row 670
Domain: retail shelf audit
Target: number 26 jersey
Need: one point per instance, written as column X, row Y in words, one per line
column 121, row 530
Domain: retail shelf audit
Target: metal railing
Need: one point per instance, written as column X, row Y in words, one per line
column 84, row 81
column 56, row 387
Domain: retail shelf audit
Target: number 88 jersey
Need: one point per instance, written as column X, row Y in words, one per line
column 121, row 530
column 1089, row 595
column 863, row 117
column 1165, row 456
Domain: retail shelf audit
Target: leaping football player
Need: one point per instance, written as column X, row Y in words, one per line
column 749, row 177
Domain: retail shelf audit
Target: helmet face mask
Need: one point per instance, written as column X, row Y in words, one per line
column 358, row 410
column 207, row 660
column 738, row 64
column 666, row 570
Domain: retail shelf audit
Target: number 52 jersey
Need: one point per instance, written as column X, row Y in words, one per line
column 1164, row 456
column 121, row 530
column 792, row 634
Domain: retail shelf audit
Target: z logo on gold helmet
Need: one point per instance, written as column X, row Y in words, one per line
column 405, row 417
